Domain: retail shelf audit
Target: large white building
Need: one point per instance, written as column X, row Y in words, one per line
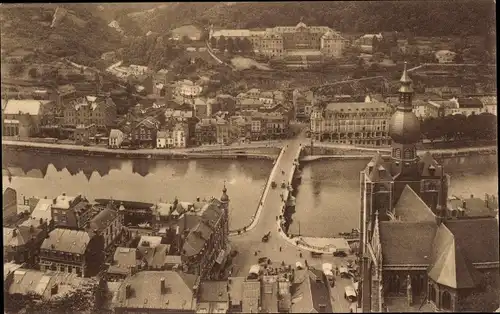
column 280, row 41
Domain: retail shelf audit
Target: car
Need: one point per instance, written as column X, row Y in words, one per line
column 339, row 254
column 350, row 294
column 262, row 260
column 316, row 254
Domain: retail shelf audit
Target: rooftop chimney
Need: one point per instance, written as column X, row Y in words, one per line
column 163, row 286
column 64, row 194
column 472, row 196
column 128, row 291
column 54, row 289
column 197, row 199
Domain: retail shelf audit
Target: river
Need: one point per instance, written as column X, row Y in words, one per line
column 140, row 180
column 327, row 200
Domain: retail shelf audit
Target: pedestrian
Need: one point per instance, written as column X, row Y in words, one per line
column 300, row 254
column 255, row 253
column 280, row 248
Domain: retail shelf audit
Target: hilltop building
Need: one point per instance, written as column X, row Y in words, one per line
column 281, row 42
column 411, row 245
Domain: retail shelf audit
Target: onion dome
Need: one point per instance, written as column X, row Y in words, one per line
column 404, row 127
column 224, row 197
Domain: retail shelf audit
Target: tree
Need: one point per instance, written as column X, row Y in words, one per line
column 375, row 44
column 221, row 43
column 33, row 73
column 458, row 58
column 431, row 128
column 246, row 45
column 213, row 42
column 485, row 298
column 237, row 44
column 230, row 45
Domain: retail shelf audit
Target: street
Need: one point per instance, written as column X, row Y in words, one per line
column 277, row 248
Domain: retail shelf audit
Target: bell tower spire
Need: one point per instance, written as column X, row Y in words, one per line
column 404, row 130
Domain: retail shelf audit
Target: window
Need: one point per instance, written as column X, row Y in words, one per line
column 408, row 154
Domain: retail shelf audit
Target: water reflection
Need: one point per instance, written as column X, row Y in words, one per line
column 139, row 179
column 328, row 197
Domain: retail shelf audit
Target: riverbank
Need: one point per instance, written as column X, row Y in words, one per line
column 349, row 152
column 252, row 152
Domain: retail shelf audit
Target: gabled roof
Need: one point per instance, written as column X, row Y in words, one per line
column 146, row 291
column 25, row 106
column 407, row 243
column 451, row 268
column 426, row 163
column 410, row 207
column 65, row 240
column 103, row 219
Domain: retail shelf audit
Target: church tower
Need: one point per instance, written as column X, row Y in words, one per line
column 404, row 129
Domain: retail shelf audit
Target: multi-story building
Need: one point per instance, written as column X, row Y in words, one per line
column 180, row 134
column 205, row 246
column 365, row 42
column 465, row 106
column 84, row 133
column 71, row 211
column 175, row 136
column 107, row 224
column 300, row 102
column 72, row 251
column 87, row 110
column 223, row 130
column 143, row 133
column 187, row 89
column 411, row 250
column 242, row 126
column 365, row 123
column 23, row 118
column 206, row 131
column 22, row 244
column 278, row 41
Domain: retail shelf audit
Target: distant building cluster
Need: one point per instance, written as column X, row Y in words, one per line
column 283, row 42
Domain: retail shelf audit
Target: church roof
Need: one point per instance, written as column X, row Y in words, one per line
column 380, row 169
column 410, row 207
column 450, row 266
column 477, row 237
column 406, row 243
column 428, row 162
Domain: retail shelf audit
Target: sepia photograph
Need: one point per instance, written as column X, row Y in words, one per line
column 250, row 157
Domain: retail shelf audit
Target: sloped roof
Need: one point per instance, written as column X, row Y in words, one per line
column 115, row 133
column 65, row 240
column 302, row 301
column 236, row 289
column 29, row 106
column 428, row 162
column 477, row 237
column 410, row 207
column 43, row 209
column 103, row 219
column 451, row 268
column 213, row 291
column 406, row 243
column 146, row 291
column 251, row 296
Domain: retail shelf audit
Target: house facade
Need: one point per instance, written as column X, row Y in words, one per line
column 72, row 251
column 23, row 117
column 352, row 123
column 88, row 110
